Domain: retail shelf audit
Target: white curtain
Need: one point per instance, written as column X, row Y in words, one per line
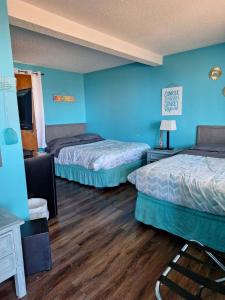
column 38, row 109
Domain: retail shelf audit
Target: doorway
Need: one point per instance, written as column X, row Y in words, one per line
column 26, row 112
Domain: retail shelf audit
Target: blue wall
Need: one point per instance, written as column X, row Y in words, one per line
column 13, row 194
column 125, row 102
column 57, row 82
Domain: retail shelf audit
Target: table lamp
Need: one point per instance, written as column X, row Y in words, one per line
column 168, row 125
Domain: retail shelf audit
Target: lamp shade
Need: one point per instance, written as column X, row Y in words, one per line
column 168, row 125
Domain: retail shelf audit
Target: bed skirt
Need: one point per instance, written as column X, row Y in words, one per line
column 185, row 222
column 102, row 178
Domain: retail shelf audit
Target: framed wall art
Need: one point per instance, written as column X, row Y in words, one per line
column 63, row 98
column 172, row 101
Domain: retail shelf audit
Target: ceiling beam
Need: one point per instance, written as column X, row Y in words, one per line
column 30, row 17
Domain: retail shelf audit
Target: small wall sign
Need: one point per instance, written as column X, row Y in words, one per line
column 172, row 101
column 61, row 98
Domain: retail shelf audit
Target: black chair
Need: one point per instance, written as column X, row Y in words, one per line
column 40, row 178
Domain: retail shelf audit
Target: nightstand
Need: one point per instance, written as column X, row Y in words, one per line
column 11, row 256
column 157, row 154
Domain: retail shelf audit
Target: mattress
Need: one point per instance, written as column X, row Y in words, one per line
column 104, row 155
column 191, row 181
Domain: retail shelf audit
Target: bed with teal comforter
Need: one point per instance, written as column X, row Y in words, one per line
column 184, row 195
column 105, row 163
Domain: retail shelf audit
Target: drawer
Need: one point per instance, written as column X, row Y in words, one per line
column 6, row 244
column 148, row 157
column 7, row 267
column 157, row 156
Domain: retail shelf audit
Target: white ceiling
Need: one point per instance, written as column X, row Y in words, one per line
column 162, row 26
column 157, row 27
column 38, row 49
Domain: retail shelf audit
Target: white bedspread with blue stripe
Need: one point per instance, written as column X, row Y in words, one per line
column 192, row 181
column 106, row 154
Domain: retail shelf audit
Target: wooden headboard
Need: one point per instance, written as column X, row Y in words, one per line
column 210, row 134
column 63, row 130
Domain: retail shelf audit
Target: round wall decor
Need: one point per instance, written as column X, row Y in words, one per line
column 215, row 73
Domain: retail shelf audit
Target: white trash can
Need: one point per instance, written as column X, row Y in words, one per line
column 38, row 208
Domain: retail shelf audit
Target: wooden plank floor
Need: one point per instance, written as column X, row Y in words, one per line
column 99, row 251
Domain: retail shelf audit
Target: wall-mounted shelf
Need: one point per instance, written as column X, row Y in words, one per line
column 7, row 83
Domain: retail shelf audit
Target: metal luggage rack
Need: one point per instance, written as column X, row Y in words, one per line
column 215, row 285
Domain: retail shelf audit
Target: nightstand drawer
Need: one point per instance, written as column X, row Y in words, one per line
column 7, row 267
column 6, row 244
column 158, row 156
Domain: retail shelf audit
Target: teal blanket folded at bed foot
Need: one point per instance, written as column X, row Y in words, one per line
column 187, row 223
column 102, row 178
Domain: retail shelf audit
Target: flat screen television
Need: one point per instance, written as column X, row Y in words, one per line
column 24, row 99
